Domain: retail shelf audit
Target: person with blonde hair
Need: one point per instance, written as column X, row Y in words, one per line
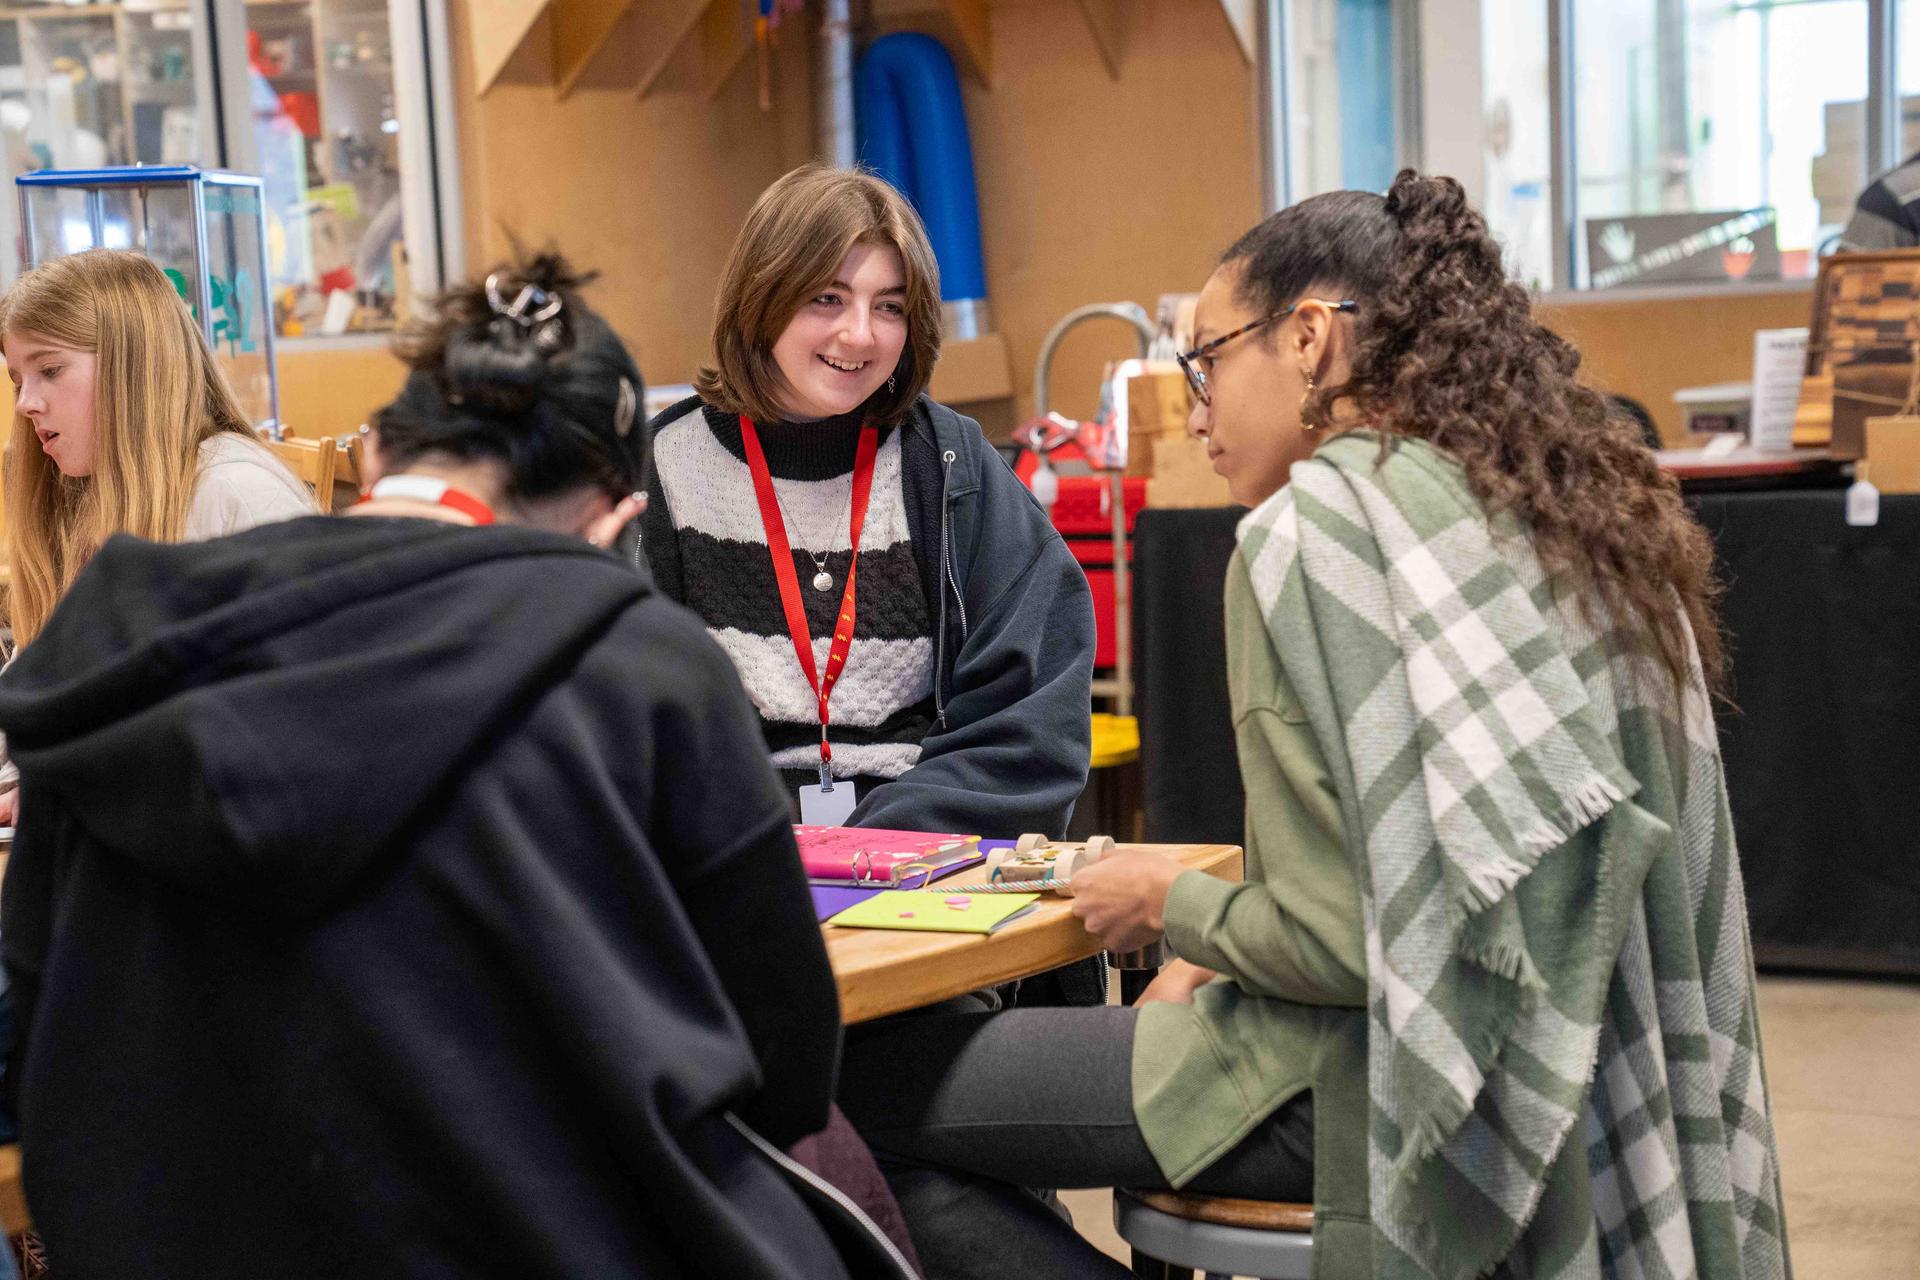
column 939, row 679
column 123, row 423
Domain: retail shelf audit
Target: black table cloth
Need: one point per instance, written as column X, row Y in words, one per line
column 1822, row 740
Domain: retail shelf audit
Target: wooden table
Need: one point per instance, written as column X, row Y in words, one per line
column 883, row 971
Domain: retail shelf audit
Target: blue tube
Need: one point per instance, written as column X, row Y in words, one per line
column 912, row 129
column 880, row 128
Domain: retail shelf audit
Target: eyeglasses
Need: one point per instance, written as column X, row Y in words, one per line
column 1190, row 362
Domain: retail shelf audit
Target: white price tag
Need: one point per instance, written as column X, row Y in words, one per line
column 1863, row 504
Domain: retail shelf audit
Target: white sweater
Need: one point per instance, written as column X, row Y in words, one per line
column 241, row 485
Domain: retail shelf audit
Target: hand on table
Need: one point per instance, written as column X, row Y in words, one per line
column 1177, row 982
column 1123, row 900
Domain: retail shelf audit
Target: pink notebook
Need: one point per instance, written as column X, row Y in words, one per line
column 867, row 857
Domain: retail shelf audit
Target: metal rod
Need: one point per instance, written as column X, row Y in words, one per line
column 834, row 109
column 1274, row 104
column 1883, row 89
column 28, row 237
column 1409, row 143
column 1136, row 315
column 1131, row 312
column 1563, row 192
column 1122, row 597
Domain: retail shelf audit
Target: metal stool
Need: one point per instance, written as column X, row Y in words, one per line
column 1173, row 1233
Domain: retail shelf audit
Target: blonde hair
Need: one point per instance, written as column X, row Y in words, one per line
column 798, row 233
column 157, row 396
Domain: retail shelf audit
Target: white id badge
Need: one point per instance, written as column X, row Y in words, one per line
column 820, row 807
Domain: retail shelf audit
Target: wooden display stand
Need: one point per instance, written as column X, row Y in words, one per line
column 1860, row 344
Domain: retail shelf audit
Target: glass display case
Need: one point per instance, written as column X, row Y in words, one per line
column 309, row 94
column 205, row 229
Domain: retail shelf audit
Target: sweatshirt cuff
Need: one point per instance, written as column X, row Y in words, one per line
column 1194, row 903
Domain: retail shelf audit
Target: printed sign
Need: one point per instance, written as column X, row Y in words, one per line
column 1662, row 248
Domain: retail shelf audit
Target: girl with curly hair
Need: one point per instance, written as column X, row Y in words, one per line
column 1486, row 994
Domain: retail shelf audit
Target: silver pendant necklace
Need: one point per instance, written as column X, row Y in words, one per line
column 822, row 580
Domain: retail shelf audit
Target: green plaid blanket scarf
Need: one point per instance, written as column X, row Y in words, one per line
column 1563, row 1050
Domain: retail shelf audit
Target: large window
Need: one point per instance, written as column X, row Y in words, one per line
column 1343, row 94
column 320, row 97
column 1700, row 141
column 1698, row 127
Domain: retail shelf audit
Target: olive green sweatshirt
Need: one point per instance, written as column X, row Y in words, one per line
column 1287, row 1012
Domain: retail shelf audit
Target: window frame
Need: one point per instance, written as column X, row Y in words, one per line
column 1880, row 146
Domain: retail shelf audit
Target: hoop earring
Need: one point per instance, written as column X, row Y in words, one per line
column 1307, row 424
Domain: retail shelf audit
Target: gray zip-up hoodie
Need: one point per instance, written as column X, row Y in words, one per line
column 1013, row 674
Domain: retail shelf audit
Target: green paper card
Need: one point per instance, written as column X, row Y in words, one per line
column 954, row 911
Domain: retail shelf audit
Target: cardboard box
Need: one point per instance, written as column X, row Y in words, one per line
column 1158, row 403
column 973, row 370
column 1183, row 476
column 1892, row 461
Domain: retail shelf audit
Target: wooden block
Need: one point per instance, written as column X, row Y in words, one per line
column 726, row 36
column 1892, row 459
column 1183, row 475
column 1813, row 416
column 496, row 29
column 658, row 29
column 1157, row 403
column 974, row 370
column 580, row 29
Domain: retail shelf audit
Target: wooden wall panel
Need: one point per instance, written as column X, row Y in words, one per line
column 1096, row 189
column 648, row 191
column 1651, row 347
column 331, row 392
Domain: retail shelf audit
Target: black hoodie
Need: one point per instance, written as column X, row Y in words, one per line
column 395, row 898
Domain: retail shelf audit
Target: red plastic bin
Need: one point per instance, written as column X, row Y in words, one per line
column 1083, row 516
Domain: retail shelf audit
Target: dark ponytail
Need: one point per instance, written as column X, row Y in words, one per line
column 1446, row 349
column 516, row 369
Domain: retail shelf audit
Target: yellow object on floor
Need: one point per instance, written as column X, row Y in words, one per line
column 1116, row 740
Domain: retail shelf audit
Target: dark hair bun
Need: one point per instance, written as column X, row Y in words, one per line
column 1440, row 229
column 516, row 367
column 502, row 333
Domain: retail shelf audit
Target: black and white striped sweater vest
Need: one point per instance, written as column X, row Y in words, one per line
column 882, row 704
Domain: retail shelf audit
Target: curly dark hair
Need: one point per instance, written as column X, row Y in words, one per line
column 1447, row 350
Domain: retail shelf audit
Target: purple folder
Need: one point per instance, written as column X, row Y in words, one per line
column 831, row 899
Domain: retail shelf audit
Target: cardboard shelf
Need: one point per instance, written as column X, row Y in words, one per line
column 647, row 36
column 972, row 371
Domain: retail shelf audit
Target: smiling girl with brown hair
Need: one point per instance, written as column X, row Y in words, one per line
column 957, row 660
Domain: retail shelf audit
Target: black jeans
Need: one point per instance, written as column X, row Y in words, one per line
column 967, row 1110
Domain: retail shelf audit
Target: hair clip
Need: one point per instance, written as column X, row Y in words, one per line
column 531, row 306
column 623, row 415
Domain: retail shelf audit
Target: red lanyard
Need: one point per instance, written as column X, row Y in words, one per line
column 783, row 572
